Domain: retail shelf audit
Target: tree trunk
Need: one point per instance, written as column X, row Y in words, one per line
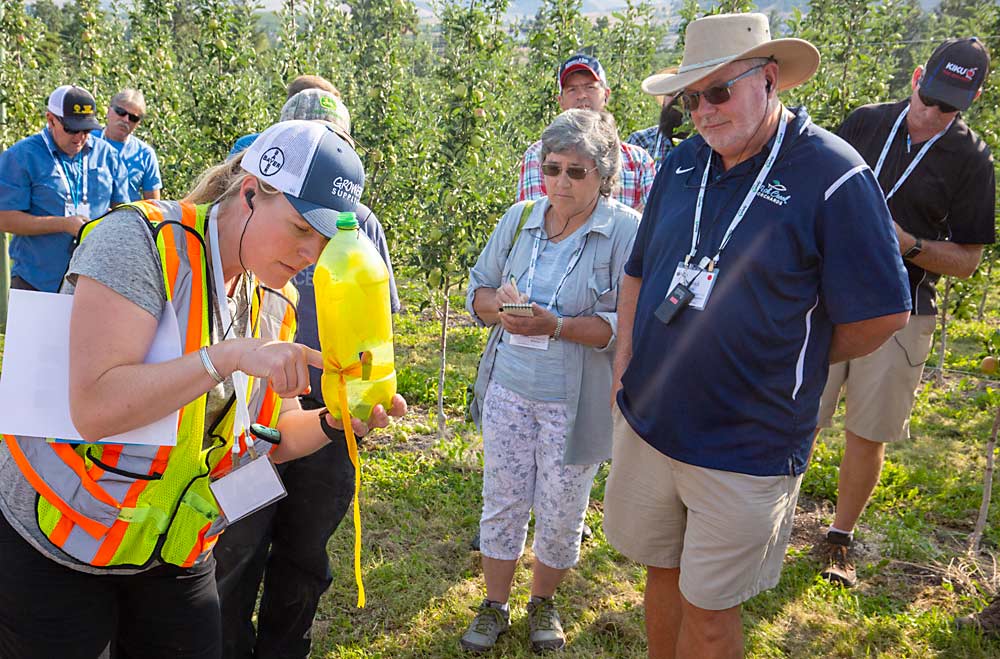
column 443, row 350
column 944, row 331
column 984, row 507
column 986, row 290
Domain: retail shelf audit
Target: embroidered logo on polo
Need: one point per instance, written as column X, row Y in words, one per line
column 683, row 171
column 271, row 161
column 957, row 71
column 774, row 192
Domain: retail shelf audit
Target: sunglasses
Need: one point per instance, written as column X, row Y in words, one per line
column 575, row 172
column 934, row 103
column 68, row 131
column 122, row 112
column 717, row 94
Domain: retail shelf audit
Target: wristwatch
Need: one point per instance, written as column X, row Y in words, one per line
column 918, row 247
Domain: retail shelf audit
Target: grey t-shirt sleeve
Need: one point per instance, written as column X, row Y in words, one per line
column 120, row 253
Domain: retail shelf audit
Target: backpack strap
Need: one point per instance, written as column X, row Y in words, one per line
column 520, row 225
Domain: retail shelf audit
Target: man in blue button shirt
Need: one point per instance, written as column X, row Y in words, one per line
column 766, row 252
column 126, row 110
column 53, row 182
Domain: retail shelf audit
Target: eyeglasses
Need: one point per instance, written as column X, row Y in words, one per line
column 575, row 172
column 934, row 103
column 68, row 131
column 717, row 94
column 122, row 112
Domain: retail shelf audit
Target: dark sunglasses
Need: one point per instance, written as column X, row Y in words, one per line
column 716, row 94
column 575, row 172
column 69, row 131
column 934, row 103
column 122, row 112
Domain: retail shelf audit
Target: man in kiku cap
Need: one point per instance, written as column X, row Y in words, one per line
column 53, row 182
column 766, row 253
column 583, row 85
column 938, row 181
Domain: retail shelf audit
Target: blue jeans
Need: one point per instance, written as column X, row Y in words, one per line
column 296, row 570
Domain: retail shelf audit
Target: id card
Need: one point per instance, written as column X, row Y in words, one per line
column 699, row 281
column 533, row 342
column 248, row 489
column 71, row 209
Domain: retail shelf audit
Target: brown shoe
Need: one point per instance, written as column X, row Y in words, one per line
column 986, row 621
column 840, row 569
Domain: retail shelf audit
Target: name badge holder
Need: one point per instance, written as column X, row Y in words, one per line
column 541, row 341
column 692, row 284
column 254, row 484
column 71, row 205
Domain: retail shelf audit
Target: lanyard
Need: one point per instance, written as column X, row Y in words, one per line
column 64, row 175
column 656, row 149
column 744, row 207
column 562, row 280
column 913, row 164
column 241, row 382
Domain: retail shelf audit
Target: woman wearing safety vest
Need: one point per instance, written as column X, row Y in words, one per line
column 106, row 548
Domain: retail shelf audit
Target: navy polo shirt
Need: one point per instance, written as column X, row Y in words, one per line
column 736, row 387
column 30, row 182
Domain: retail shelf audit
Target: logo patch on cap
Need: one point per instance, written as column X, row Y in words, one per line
column 961, row 71
column 271, row 161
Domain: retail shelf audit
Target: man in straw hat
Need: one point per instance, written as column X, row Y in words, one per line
column 939, row 183
column 766, row 253
column 659, row 139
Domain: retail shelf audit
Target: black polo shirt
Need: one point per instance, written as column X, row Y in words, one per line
column 949, row 196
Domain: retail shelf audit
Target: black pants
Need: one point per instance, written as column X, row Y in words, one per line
column 48, row 611
column 296, row 572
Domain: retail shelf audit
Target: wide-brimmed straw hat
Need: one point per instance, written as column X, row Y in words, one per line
column 712, row 42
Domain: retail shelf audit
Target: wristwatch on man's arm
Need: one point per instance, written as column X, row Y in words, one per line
column 918, row 247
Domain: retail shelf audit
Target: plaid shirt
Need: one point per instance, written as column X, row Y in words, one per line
column 637, row 175
column 653, row 142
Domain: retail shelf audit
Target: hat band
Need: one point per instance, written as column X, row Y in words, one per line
column 684, row 68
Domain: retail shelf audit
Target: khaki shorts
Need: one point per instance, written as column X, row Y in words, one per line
column 726, row 531
column 882, row 386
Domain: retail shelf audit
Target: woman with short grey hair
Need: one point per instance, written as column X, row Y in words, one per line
column 547, row 284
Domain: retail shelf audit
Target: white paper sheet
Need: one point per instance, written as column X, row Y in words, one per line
column 34, row 382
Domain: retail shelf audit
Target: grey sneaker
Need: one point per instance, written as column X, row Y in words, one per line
column 986, row 621
column 545, row 628
column 486, row 627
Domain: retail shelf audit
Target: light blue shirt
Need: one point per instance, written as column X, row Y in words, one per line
column 30, row 181
column 539, row 374
column 140, row 160
column 590, row 290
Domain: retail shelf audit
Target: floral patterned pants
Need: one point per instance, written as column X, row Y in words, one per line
column 523, row 445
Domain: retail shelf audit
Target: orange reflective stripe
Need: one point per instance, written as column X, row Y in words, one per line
column 198, row 547
column 61, row 531
column 95, row 529
column 73, row 461
column 196, row 319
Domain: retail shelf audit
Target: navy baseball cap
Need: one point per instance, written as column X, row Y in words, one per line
column 581, row 62
column 955, row 71
column 75, row 106
column 316, row 169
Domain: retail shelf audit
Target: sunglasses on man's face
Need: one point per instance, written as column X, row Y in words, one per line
column 122, row 112
column 62, row 123
column 716, row 94
column 575, row 172
column 934, row 103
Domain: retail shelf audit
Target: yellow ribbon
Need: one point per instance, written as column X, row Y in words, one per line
column 352, row 450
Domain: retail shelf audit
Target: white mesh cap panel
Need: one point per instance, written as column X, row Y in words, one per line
column 282, row 154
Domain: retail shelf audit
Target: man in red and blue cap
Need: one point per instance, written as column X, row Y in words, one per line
column 583, row 85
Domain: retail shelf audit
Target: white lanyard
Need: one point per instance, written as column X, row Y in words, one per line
column 241, row 383
column 744, row 207
column 562, row 280
column 656, row 149
column 913, row 164
column 60, row 167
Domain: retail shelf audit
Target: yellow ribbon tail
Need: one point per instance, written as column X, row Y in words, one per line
column 352, row 451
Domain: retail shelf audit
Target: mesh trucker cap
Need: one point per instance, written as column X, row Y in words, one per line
column 955, row 72
column 317, row 105
column 75, row 106
column 581, row 62
column 319, row 172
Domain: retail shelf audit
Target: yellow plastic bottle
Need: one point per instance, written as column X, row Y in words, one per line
column 355, row 324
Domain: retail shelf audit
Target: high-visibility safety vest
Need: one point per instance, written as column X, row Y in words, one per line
column 130, row 505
